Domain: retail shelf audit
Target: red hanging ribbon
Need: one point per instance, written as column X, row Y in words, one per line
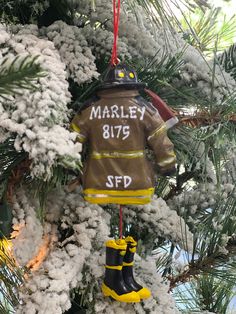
column 121, row 223
column 116, row 18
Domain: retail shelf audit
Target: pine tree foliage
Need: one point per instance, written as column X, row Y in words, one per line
column 165, row 10
column 206, row 30
column 19, row 73
column 228, row 60
column 202, row 194
column 10, row 158
column 16, row 74
column 206, row 294
column 11, row 278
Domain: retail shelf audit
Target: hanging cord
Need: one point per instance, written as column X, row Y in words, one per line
column 115, row 61
column 121, row 222
column 116, row 19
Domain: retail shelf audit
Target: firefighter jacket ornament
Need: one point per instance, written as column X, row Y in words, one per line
column 118, row 125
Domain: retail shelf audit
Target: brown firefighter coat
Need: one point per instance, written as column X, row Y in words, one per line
column 118, row 125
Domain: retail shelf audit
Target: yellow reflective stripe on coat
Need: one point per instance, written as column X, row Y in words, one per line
column 167, row 161
column 75, row 127
column 117, row 154
column 118, row 197
column 158, row 131
column 117, row 200
column 137, row 193
column 81, row 138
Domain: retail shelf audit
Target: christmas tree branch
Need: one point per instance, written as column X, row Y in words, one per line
column 209, row 264
column 177, row 188
column 19, row 73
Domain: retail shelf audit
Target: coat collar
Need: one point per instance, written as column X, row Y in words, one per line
column 118, row 93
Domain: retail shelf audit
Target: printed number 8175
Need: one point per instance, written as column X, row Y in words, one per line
column 116, row 131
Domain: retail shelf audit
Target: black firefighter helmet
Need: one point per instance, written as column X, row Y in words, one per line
column 120, row 76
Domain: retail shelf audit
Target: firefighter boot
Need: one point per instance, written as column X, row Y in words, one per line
column 114, row 285
column 127, row 270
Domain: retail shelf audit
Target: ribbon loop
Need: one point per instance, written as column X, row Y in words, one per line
column 116, row 19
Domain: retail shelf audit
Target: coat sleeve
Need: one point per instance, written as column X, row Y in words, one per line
column 79, row 125
column 156, row 134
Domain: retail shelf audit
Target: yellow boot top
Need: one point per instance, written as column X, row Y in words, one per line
column 131, row 240
column 118, row 244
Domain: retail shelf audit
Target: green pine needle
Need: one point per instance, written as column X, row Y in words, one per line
column 19, row 73
column 11, row 277
column 228, row 60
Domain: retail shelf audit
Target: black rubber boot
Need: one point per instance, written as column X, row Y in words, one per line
column 127, row 270
column 114, row 285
